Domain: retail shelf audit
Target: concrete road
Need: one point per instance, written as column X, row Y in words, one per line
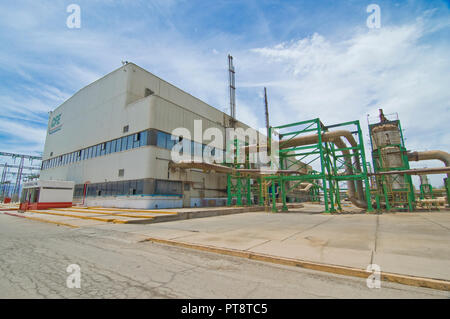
column 34, row 257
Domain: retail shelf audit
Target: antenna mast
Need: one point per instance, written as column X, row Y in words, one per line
column 267, row 111
column 232, row 87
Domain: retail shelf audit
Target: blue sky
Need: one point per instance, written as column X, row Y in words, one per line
column 317, row 59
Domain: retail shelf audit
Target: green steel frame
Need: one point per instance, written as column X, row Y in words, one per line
column 238, row 185
column 332, row 163
column 394, row 199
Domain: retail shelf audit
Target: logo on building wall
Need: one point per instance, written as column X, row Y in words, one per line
column 55, row 124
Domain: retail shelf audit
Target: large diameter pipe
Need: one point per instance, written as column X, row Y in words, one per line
column 357, row 198
column 430, row 155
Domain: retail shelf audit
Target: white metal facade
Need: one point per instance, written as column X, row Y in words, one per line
column 99, row 112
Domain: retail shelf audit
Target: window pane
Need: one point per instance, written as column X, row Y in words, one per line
column 161, row 139
column 114, row 189
column 139, row 187
column 120, row 188
column 130, row 141
column 170, row 141
column 152, row 137
column 136, row 138
column 113, row 146
column 198, row 148
column 163, row 187
column 126, row 187
column 143, row 138
column 124, row 143
column 132, row 187
column 108, row 147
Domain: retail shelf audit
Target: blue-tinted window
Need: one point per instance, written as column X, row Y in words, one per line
column 108, row 147
column 113, row 146
column 143, row 138
column 198, row 149
column 171, row 140
column 103, row 148
column 136, row 138
column 98, row 150
column 161, row 139
column 124, row 143
column 130, row 141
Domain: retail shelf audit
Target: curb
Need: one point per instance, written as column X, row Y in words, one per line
column 335, row 269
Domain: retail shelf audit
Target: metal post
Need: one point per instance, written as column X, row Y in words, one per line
column 322, row 166
column 364, row 166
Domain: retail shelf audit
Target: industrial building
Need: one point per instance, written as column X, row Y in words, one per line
column 113, row 139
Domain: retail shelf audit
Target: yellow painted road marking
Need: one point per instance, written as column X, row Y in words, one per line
column 128, row 210
column 45, row 221
column 101, row 213
column 109, row 220
column 50, row 221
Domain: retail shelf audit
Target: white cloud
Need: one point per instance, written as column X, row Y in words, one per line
column 393, row 68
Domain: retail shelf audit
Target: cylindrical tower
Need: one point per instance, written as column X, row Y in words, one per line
column 389, row 154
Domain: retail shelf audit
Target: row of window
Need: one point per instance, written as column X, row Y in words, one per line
column 148, row 137
column 130, row 187
column 117, row 145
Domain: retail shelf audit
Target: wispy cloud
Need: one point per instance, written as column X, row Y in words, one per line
column 338, row 70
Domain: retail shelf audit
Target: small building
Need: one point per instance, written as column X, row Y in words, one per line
column 41, row 194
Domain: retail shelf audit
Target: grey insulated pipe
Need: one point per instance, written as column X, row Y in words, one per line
column 430, row 155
